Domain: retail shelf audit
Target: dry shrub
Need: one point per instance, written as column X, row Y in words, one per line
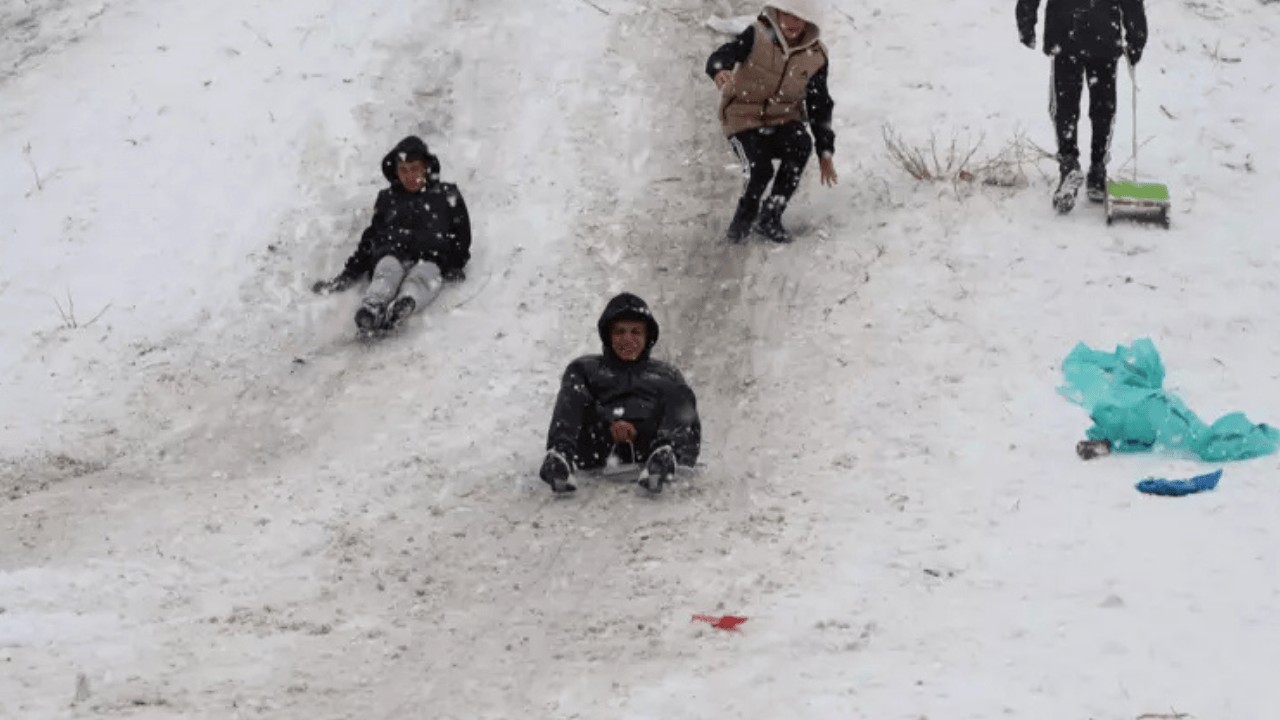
column 958, row 161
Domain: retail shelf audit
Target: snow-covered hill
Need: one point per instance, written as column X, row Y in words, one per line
column 217, row 506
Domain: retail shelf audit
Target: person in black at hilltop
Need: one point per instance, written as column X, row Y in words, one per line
column 1084, row 39
column 772, row 80
column 622, row 402
column 420, row 236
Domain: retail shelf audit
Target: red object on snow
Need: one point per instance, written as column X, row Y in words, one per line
column 727, row 622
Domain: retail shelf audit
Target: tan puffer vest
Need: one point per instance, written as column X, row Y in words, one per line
column 769, row 88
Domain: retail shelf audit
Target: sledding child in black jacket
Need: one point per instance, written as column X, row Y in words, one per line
column 622, row 402
column 420, row 235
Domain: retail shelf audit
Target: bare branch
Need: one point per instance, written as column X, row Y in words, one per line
column 26, row 152
column 67, row 321
column 962, row 161
column 597, row 7
column 256, row 34
column 101, row 312
column 68, row 313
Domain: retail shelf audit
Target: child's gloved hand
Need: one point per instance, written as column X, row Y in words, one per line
column 454, row 275
column 338, row 284
column 622, row 432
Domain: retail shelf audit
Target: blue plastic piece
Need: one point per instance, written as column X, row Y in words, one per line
column 1199, row 483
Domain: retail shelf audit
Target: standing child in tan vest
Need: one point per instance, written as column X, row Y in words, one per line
column 772, row 78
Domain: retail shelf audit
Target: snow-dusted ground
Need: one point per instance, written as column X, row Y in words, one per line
column 218, row 507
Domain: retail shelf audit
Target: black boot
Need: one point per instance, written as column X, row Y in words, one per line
column 659, row 469
column 740, row 226
column 1064, row 198
column 556, row 472
column 1095, row 184
column 771, row 220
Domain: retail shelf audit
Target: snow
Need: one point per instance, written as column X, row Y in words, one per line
column 218, row 506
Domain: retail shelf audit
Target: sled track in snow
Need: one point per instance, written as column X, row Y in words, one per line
column 603, row 579
column 35, row 28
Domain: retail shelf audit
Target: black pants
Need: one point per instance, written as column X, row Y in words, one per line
column 1070, row 72
column 789, row 144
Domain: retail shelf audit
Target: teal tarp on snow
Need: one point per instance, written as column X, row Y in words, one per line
column 1122, row 391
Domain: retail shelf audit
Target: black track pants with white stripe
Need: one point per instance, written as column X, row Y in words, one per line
column 756, row 149
column 1070, row 72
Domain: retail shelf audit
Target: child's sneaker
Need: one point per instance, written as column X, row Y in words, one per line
column 1064, row 198
column 370, row 316
column 402, row 308
column 1095, row 185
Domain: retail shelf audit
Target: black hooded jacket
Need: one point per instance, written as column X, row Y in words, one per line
column 1086, row 28
column 643, row 392
column 430, row 225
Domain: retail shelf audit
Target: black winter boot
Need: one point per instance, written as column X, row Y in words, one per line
column 659, row 469
column 740, row 226
column 771, row 220
column 1095, row 184
column 556, row 472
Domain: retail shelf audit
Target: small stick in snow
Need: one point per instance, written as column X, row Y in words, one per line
column 101, row 312
column 256, row 34
column 68, row 314
column 26, row 152
column 597, row 7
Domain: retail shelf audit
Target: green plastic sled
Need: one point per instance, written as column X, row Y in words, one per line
column 1138, row 200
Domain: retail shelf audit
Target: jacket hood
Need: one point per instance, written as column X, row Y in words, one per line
column 410, row 146
column 806, row 10
column 627, row 307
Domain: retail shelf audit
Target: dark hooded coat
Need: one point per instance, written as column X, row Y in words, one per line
column 596, row 390
column 430, row 225
column 1086, row 28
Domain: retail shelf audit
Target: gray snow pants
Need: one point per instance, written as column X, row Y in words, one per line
column 393, row 280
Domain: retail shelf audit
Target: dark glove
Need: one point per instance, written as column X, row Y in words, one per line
column 1134, row 53
column 338, row 284
column 454, row 275
column 1028, row 39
